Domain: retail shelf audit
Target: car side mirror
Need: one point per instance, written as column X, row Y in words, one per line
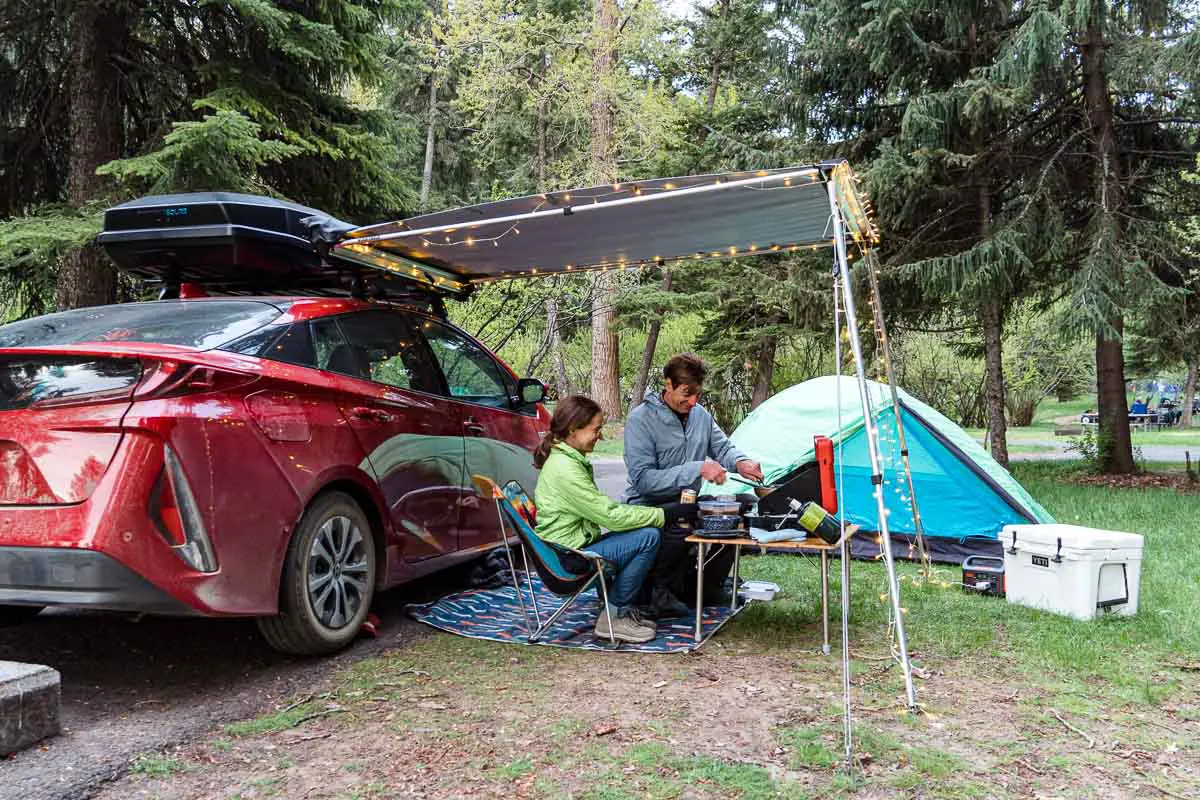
column 531, row 391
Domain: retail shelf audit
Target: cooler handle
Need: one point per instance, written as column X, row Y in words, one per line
column 1116, row 601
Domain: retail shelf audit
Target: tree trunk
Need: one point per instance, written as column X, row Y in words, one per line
column 99, row 35
column 430, row 137
column 539, row 158
column 643, row 373
column 561, row 385
column 1116, row 446
column 764, row 371
column 992, row 319
column 1189, row 394
column 606, row 388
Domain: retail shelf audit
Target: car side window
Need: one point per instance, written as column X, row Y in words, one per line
column 326, row 337
column 380, row 346
column 471, row 373
column 290, row 344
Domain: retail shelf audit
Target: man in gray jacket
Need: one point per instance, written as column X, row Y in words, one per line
column 673, row 443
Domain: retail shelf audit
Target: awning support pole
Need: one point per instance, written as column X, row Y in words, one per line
column 847, row 700
column 886, row 346
column 839, row 242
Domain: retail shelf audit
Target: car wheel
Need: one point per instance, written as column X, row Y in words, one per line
column 328, row 580
column 16, row 615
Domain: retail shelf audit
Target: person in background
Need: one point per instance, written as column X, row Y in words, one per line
column 672, row 443
column 571, row 510
column 1139, row 406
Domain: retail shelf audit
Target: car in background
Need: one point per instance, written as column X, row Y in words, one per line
column 282, row 458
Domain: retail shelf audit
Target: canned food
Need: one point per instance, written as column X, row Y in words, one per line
column 687, row 496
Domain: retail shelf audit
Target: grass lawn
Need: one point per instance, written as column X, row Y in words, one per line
column 1017, row 703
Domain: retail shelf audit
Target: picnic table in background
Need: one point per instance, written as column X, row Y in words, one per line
column 1151, row 420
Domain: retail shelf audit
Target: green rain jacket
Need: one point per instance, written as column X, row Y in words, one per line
column 571, row 510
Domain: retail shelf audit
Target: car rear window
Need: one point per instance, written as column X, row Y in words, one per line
column 203, row 324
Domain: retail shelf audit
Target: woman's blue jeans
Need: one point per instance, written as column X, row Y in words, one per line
column 632, row 554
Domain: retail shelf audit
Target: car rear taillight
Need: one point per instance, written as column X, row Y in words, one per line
column 168, row 378
column 45, row 382
column 177, row 516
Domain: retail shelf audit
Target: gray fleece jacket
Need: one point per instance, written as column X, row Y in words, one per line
column 663, row 457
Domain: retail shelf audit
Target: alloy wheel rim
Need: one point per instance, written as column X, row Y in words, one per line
column 337, row 572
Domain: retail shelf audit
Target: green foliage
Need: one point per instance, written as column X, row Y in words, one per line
column 222, row 151
column 1040, row 356
column 30, row 247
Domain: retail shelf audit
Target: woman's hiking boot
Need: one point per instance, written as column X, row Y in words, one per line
column 626, row 627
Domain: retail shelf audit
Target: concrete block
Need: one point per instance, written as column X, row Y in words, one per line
column 29, row 700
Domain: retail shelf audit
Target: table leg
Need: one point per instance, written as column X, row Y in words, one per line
column 825, row 601
column 700, row 548
column 737, row 553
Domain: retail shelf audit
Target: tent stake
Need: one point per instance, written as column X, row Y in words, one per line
column 839, row 238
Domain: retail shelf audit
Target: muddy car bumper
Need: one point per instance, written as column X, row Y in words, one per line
column 54, row 576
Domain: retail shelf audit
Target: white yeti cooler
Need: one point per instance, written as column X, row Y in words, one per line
column 1071, row 570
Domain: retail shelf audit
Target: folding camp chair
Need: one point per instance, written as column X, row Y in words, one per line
column 563, row 570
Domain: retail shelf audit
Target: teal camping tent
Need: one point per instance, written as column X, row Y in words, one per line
column 964, row 496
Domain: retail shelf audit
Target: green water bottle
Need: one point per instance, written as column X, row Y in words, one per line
column 815, row 519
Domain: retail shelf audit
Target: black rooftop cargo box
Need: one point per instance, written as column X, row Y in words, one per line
column 242, row 244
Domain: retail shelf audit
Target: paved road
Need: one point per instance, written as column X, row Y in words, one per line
column 1150, row 452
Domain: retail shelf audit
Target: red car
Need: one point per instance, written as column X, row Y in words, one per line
column 276, row 457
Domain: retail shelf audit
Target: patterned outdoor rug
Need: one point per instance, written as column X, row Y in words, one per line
column 495, row 614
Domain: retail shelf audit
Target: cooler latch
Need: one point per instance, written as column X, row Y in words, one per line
column 1012, row 550
column 1058, row 553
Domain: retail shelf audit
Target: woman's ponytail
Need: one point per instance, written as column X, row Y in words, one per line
column 542, row 451
column 571, row 414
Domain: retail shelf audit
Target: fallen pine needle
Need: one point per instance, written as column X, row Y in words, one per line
column 1090, row 741
column 300, row 739
column 296, row 704
column 1167, row 792
column 318, row 714
column 1030, row 767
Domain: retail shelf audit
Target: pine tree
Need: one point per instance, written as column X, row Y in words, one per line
column 238, row 95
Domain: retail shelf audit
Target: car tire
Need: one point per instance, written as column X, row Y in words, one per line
column 17, row 615
column 328, row 580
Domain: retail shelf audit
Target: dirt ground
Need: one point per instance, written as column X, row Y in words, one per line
column 446, row 717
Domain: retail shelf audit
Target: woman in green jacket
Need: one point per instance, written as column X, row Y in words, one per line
column 571, row 510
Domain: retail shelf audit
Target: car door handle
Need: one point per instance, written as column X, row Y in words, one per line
column 473, row 427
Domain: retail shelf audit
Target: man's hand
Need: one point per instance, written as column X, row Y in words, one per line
column 712, row 472
column 750, row 469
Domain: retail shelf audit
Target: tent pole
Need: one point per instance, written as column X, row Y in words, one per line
column 886, row 346
column 847, row 701
column 839, row 242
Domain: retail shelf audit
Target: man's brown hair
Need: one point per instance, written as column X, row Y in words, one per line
column 685, row 368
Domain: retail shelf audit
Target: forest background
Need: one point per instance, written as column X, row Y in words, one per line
column 1033, row 166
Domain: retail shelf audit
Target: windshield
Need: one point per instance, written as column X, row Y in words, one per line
column 202, row 324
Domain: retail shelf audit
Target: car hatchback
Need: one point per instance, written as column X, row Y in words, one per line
column 280, row 458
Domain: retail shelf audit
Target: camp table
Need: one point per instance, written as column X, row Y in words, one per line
column 808, row 546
